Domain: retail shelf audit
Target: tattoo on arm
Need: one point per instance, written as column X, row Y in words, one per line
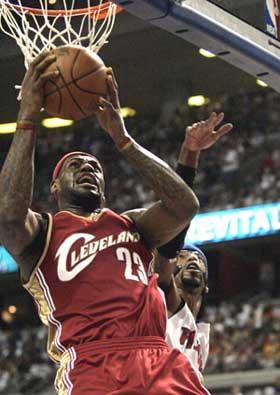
column 168, row 186
column 17, row 177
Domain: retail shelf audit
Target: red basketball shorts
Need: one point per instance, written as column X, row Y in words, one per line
column 127, row 366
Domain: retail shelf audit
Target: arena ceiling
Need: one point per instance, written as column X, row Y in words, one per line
column 152, row 66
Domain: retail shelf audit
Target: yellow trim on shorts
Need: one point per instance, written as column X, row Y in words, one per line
column 61, row 372
column 44, row 311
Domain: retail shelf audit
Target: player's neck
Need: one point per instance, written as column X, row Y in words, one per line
column 194, row 303
column 83, row 211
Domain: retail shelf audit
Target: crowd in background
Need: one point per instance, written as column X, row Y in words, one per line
column 267, row 390
column 25, row 366
column 240, row 170
column 243, row 337
column 273, row 389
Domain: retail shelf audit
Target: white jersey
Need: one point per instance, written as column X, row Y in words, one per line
column 190, row 338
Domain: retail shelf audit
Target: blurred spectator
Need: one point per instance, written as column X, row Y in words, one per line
column 266, row 277
column 236, row 391
column 271, row 350
column 267, row 162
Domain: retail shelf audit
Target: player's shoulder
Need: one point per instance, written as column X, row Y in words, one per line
column 204, row 328
column 31, row 254
column 44, row 220
column 183, row 314
column 128, row 218
column 134, row 214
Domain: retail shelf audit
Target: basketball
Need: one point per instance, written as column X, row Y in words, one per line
column 81, row 80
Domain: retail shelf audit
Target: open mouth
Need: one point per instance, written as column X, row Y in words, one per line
column 193, row 267
column 87, row 179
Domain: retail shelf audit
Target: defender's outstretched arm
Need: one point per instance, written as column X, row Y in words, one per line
column 198, row 137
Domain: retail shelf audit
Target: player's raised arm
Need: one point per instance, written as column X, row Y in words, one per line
column 200, row 136
column 18, row 224
column 177, row 205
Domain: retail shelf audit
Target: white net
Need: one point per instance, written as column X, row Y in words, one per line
column 39, row 29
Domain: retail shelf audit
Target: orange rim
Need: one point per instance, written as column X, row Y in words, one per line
column 103, row 9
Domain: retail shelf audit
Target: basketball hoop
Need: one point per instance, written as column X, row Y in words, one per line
column 39, row 29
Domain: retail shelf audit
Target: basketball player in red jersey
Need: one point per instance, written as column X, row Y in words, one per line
column 87, row 267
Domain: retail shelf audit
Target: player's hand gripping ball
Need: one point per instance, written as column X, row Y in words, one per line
column 81, row 80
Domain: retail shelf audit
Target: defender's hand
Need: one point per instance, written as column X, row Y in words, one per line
column 32, row 86
column 202, row 135
column 109, row 113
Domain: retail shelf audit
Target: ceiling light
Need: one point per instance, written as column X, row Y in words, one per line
column 262, row 84
column 12, row 309
column 52, row 123
column 198, row 101
column 7, row 317
column 6, row 128
column 206, row 53
column 128, row 112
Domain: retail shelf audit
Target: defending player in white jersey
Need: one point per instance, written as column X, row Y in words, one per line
column 183, row 270
column 190, row 285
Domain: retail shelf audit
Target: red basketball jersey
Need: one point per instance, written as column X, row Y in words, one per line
column 93, row 282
